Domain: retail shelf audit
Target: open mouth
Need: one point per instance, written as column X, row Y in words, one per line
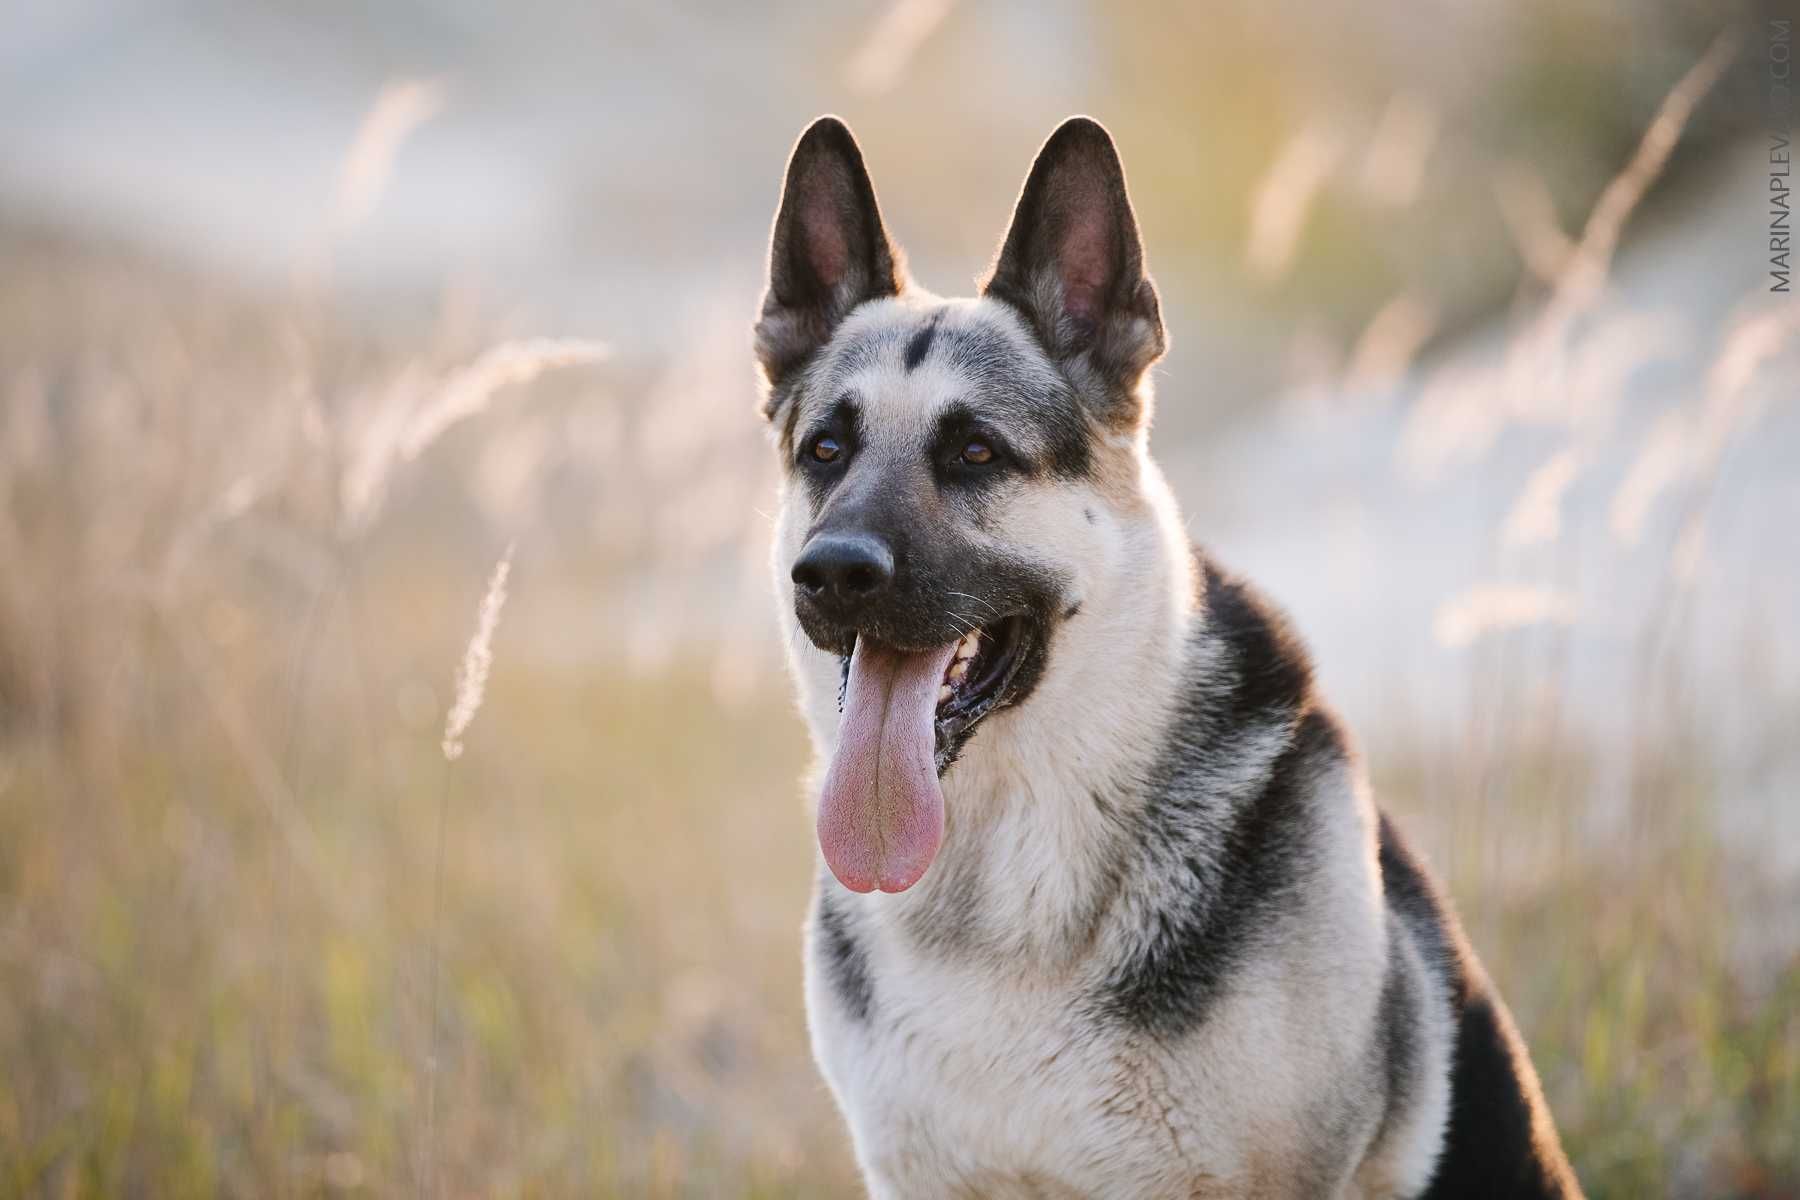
column 904, row 715
column 975, row 681
column 984, row 663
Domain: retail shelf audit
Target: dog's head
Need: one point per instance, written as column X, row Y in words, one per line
column 955, row 470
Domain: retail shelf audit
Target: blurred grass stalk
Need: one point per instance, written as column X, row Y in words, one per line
column 471, row 689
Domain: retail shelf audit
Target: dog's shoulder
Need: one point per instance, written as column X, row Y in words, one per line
column 1500, row 1140
column 1237, row 811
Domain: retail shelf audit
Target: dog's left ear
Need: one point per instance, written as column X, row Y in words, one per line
column 1073, row 264
column 828, row 253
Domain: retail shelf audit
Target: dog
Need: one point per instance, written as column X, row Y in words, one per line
column 1105, row 908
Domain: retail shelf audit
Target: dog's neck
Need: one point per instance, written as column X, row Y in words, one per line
column 1041, row 804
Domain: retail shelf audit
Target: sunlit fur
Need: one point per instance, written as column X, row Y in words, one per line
column 981, row 1074
column 1168, row 947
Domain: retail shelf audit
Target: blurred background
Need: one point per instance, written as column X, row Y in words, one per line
column 313, row 315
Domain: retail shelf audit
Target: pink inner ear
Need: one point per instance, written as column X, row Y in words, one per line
column 1084, row 261
column 827, row 250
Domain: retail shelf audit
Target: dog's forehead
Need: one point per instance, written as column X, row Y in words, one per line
column 905, row 362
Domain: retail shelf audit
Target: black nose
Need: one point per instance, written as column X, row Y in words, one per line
column 845, row 569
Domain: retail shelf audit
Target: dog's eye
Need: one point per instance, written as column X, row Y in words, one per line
column 825, row 448
column 978, row 453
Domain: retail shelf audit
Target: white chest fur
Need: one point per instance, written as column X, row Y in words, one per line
column 964, row 1080
column 956, row 1085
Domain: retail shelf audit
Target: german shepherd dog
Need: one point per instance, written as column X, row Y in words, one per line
column 1107, row 909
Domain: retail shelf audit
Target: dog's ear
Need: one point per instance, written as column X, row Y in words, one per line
column 829, row 251
column 1073, row 264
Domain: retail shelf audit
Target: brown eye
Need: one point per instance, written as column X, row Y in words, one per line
column 825, row 448
column 978, row 454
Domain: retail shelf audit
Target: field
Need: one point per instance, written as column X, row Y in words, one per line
column 260, row 937
column 261, row 934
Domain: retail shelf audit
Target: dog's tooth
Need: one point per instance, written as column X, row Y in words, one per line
column 958, row 669
column 943, row 692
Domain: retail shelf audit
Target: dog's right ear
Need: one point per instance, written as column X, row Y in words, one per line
column 829, row 251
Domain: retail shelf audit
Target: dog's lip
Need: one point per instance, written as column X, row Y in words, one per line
column 1005, row 643
column 1016, row 635
column 1021, row 636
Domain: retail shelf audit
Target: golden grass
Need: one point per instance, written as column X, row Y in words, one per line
column 236, row 958
column 625, row 870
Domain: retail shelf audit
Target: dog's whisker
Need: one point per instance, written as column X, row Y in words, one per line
column 977, row 599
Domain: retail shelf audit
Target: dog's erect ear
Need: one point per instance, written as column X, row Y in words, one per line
column 1072, row 262
column 829, row 251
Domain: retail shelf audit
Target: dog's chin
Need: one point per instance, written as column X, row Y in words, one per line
column 994, row 666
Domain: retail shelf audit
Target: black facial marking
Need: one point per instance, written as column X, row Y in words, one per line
column 1070, row 453
column 944, row 579
column 1014, row 394
column 920, row 345
column 1500, row 1141
column 958, row 424
column 1089, row 514
column 1069, row 612
column 843, row 423
column 846, row 964
column 1017, row 393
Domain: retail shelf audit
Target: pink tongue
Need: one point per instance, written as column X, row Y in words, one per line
column 881, row 815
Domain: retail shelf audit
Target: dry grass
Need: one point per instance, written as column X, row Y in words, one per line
column 237, row 959
column 626, row 865
column 220, row 783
